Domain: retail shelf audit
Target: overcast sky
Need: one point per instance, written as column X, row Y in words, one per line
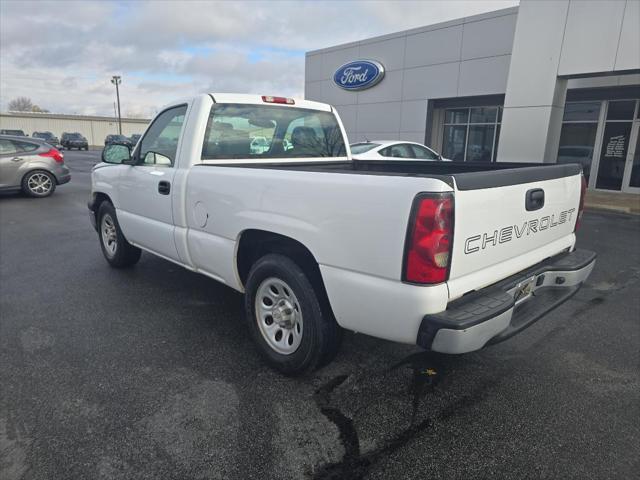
column 62, row 54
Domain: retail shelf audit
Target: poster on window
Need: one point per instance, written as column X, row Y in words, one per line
column 614, row 153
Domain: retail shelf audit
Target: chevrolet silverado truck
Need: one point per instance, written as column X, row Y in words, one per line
column 449, row 256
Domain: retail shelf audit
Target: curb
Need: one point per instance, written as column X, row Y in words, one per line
column 611, row 208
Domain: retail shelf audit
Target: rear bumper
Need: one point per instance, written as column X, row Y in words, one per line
column 62, row 174
column 500, row 311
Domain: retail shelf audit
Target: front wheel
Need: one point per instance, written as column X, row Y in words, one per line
column 285, row 318
column 38, row 183
column 115, row 248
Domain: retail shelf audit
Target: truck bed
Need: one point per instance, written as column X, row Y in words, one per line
column 467, row 175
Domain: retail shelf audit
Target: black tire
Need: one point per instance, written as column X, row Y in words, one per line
column 320, row 337
column 38, row 184
column 122, row 254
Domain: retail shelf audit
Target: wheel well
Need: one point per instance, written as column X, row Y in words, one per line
column 255, row 244
column 98, row 199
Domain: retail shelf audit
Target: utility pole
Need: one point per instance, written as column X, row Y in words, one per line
column 116, row 80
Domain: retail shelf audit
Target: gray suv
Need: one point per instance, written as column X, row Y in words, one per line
column 31, row 165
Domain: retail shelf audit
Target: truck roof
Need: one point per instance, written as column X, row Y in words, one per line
column 257, row 100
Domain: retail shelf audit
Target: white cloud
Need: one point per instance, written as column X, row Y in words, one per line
column 62, row 54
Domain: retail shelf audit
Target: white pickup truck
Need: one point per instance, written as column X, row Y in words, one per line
column 448, row 256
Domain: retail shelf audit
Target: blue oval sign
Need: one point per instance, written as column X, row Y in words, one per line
column 359, row 75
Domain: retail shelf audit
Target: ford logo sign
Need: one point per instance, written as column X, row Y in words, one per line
column 359, row 75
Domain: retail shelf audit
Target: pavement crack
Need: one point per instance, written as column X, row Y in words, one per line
column 354, row 464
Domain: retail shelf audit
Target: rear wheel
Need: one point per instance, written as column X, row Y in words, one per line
column 38, row 183
column 115, row 248
column 285, row 318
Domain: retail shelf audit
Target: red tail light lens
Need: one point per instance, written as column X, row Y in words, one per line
column 429, row 240
column 270, row 99
column 55, row 154
column 583, row 193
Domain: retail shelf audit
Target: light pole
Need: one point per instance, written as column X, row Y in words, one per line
column 116, row 80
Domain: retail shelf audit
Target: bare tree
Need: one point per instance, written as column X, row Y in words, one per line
column 21, row 104
column 24, row 104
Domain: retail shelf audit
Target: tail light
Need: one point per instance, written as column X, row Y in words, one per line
column 583, row 193
column 429, row 239
column 55, row 154
column 270, row 99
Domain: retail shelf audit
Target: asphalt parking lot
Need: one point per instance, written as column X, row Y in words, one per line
column 149, row 373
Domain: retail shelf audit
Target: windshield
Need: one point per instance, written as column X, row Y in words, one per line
column 75, row 136
column 267, row 131
column 357, row 148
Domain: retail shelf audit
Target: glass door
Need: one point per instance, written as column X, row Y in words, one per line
column 631, row 181
column 615, row 144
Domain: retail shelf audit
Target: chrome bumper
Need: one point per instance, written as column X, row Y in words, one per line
column 498, row 312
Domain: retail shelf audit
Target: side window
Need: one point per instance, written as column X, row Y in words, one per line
column 25, row 147
column 401, row 150
column 424, row 153
column 160, row 143
column 7, row 147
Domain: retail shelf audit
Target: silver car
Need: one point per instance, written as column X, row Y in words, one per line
column 31, row 165
column 394, row 150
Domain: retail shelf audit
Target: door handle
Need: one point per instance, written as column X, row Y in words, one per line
column 164, row 187
column 16, row 159
column 534, row 199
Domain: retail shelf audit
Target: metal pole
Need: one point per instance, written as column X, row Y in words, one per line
column 116, row 80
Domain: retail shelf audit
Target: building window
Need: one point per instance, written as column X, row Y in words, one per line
column 471, row 134
column 578, row 134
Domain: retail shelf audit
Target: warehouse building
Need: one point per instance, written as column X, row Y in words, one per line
column 93, row 128
column 553, row 81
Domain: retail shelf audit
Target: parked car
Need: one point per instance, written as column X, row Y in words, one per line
column 394, row 149
column 15, row 133
column 437, row 254
column 31, row 165
column 121, row 139
column 48, row 137
column 134, row 139
column 74, row 140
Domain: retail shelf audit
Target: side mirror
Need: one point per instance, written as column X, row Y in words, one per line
column 116, row 153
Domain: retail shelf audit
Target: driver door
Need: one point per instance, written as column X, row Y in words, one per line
column 145, row 189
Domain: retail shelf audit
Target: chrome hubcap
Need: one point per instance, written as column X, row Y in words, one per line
column 39, row 183
column 109, row 236
column 279, row 316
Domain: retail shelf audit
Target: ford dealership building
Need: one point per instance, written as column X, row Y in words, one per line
column 553, row 81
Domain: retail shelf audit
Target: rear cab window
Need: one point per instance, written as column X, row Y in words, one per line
column 245, row 131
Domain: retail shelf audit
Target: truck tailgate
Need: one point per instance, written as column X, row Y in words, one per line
column 508, row 220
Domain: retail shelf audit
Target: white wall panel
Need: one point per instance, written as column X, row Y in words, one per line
column 591, row 36
column 437, row 46
column 335, row 95
column 435, row 81
column 313, row 68
column 484, row 76
column 388, row 52
column 388, row 90
column 413, row 116
column 490, row 37
column 628, row 56
column 333, row 59
column 313, row 91
column 379, row 117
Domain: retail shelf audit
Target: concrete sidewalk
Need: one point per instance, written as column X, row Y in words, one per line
column 613, row 201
